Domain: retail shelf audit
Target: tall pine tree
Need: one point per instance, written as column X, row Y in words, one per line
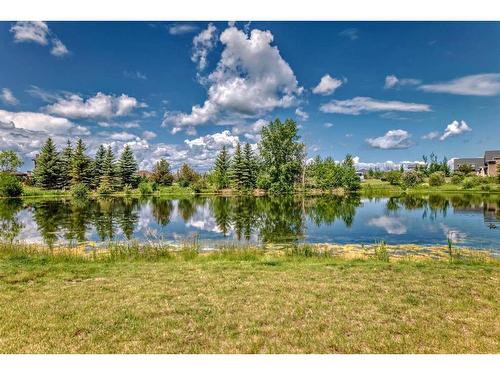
column 249, row 173
column 81, row 165
column 237, row 169
column 66, row 158
column 99, row 164
column 221, row 169
column 47, row 170
column 127, row 167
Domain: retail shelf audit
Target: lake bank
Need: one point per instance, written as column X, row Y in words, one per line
column 247, row 302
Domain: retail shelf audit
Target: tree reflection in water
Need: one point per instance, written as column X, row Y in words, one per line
column 266, row 219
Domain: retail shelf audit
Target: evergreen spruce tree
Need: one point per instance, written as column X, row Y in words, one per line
column 221, row 169
column 66, row 158
column 237, row 168
column 127, row 167
column 99, row 163
column 108, row 182
column 47, row 170
column 249, row 173
column 81, row 165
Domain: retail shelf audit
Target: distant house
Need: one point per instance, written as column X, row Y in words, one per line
column 485, row 166
column 144, row 174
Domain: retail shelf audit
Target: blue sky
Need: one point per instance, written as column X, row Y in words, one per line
column 382, row 91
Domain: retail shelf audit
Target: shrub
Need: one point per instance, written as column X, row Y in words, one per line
column 411, row 178
column 469, row 183
column 393, row 177
column 457, row 178
column 145, row 188
column 263, row 181
column 127, row 189
column 10, row 185
column 80, row 191
column 437, row 179
column 104, row 188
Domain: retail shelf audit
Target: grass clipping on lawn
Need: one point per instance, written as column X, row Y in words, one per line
column 300, row 299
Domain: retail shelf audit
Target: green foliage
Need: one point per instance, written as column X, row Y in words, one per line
column 47, row 172
column 249, row 174
column 9, row 185
column 457, row 178
column 465, row 169
column 105, row 187
column 469, row 183
column 411, row 179
column 263, row 181
column 394, row 177
column 82, row 166
column 238, row 169
column 350, row 180
column 99, row 162
column 186, row 176
column 437, row 179
column 381, row 252
column 162, row 174
column 9, row 161
column 145, row 188
column 127, row 189
column 66, row 158
column 127, row 168
column 326, row 174
column 282, row 154
column 222, row 167
column 433, row 165
column 80, row 191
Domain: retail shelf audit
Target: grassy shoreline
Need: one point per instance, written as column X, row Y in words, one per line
column 294, row 300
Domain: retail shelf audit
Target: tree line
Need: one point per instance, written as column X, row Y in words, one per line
column 278, row 164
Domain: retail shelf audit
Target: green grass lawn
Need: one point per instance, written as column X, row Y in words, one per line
column 247, row 302
column 378, row 186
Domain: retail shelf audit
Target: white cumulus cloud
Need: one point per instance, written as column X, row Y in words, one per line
column 203, row 43
column 327, row 85
column 251, row 79
column 393, row 139
column 455, row 128
column 100, row 106
column 38, row 32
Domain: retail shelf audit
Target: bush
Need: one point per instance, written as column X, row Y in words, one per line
column 145, row 188
column 263, row 181
column 127, row 189
column 470, row 182
column 457, row 178
column 104, row 188
column 437, row 179
column 393, row 177
column 411, row 178
column 80, row 191
column 10, row 185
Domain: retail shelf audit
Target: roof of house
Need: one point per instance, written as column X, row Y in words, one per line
column 461, row 161
column 491, row 155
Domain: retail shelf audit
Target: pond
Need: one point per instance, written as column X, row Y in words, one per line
column 468, row 220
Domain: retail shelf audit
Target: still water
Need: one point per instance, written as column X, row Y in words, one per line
column 472, row 220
